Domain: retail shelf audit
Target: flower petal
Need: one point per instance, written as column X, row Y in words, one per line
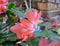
column 55, row 43
column 43, row 42
column 26, row 24
column 31, row 15
column 17, row 28
column 38, row 16
column 3, row 5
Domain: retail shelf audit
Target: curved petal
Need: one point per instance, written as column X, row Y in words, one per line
column 55, row 43
column 3, row 1
column 19, row 35
column 43, row 42
column 38, row 16
column 17, row 28
column 26, row 24
column 3, row 5
column 31, row 15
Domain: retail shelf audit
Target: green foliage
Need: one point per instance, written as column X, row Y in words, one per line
column 33, row 42
column 49, row 34
column 44, row 24
column 8, row 38
column 4, row 33
column 58, row 31
column 20, row 8
column 11, row 6
column 20, row 14
column 1, row 19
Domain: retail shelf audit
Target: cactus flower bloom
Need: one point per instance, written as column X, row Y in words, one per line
column 26, row 28
column 3, row 5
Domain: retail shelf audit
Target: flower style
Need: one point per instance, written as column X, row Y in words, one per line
column 45, row 42
column 26, row 28
column 3, row 5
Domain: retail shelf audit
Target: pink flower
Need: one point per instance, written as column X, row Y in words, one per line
column 44, row 42
column 26, row 28
column 3, row 5
column 4, row 20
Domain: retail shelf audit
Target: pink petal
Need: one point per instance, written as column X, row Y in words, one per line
column 26, row 23
column 3, row 5
column 38, row 16
column 19, row 35
column 31, row 15
column 40, row 21
column 55, row 43
column 4, row 2
column 43, row 42
column 35, row 12
column 4, row 20
column 17, row 28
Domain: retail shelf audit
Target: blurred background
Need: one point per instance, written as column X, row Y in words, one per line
column 49, row 7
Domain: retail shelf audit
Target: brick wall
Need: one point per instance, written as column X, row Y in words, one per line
column 42, row 5
column 49, row 7
column 53, row 7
